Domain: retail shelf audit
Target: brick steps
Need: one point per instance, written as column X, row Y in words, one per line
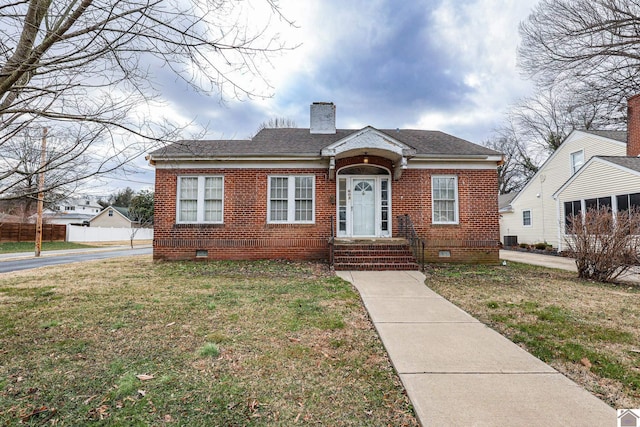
column 376, row 255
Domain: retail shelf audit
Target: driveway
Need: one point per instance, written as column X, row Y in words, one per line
column 26, row 261
column 562, row 263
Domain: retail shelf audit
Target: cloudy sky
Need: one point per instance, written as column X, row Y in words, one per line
column 446, row 65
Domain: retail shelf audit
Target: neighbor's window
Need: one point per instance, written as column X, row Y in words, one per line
column 526, row 218
column 571, row 209
column 577, row 160
column 200, row 199
column 291, row 199
column 444, row 195
column 626, row 201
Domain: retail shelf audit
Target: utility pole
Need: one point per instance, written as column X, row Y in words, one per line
column 43, row 161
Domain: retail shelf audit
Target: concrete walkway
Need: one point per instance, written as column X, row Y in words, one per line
column 457, row 371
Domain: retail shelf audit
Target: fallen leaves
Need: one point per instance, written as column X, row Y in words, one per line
column 42, row 413
column 144, row 377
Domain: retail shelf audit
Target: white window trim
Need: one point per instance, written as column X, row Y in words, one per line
column 457, row 201
column 530, row 218
column 291, row 199
column 572, row 167
column 200, row 200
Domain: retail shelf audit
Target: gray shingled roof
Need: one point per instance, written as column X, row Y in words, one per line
column 632, row 163
column 300, row 142
column 618, row 135
column 504, row 200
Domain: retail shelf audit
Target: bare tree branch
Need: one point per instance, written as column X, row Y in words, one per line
column 591, row 46
column 87, row 70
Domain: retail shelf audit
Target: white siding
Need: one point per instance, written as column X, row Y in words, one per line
column 537, row 196
column 599, row 179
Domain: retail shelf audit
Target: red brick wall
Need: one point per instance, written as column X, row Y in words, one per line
column 245, row 233
column 475, row 238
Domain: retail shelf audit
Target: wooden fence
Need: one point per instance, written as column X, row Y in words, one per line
column 15, row 232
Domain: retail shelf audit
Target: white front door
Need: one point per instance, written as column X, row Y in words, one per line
column 364, row 207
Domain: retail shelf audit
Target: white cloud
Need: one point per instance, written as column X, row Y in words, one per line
column 483, row 37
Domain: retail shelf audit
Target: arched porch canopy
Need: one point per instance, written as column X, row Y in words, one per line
column 369, row 141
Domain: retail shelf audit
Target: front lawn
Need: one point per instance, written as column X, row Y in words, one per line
column 588, row 331
column 130, row 342
column 12, row 247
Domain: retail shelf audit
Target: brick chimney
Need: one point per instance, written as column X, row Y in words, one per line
column 323, row 118
column 633, row 126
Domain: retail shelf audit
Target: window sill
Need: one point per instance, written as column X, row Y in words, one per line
column 289, row 224
column 198, row 225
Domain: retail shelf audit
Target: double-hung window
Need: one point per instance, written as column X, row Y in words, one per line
column 200, row 199
column 577, row 160
column 291, row 199
column 526, row 218
column 444, row 196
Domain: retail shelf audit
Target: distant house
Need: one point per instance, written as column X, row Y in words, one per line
column 590, row 169
column 112, row 217
column 75, row 210
column 298, row 193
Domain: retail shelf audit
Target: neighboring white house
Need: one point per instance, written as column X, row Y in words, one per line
column 112, row 217
column 532, row 215
column 613, row 182
column 590, row 169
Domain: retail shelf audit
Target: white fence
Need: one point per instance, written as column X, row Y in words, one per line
column 76, row 233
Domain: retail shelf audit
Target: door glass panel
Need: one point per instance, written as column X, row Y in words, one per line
column 342, row 205
column 384, row 205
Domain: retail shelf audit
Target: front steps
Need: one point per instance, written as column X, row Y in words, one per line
column 373, row 254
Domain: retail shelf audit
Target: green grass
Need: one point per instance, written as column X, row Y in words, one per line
column 209, row 350
column 223, row 343
column 588, row 331
column 13, row 247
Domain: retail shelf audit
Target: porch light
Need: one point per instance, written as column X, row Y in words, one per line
column 366, row 159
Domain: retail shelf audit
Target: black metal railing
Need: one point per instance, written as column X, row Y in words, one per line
column 332, row 238
column 408, row 231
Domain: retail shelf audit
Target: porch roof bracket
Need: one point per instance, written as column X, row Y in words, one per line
column 332, row 168
column 397, row 171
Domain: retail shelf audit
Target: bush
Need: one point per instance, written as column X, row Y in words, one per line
column 541, row 246
column 604, row 246
column 524, row 245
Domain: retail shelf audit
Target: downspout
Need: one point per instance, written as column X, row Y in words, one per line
column 560, row 240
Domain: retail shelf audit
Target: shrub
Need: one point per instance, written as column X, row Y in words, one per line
column 524, row 245
column 604, row 246
column 541, row 246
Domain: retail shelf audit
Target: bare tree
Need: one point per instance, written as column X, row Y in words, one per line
column 518, row 164
column 604, row 246
column 545, row 119
column 586, row 47
column 88, row 71
column 276, row 123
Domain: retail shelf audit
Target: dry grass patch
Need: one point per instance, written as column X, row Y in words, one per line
column 130, row 342
column 589, row 331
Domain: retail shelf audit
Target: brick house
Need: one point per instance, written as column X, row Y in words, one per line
column 287, row 192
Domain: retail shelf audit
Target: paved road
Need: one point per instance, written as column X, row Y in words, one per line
column 68, row 258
